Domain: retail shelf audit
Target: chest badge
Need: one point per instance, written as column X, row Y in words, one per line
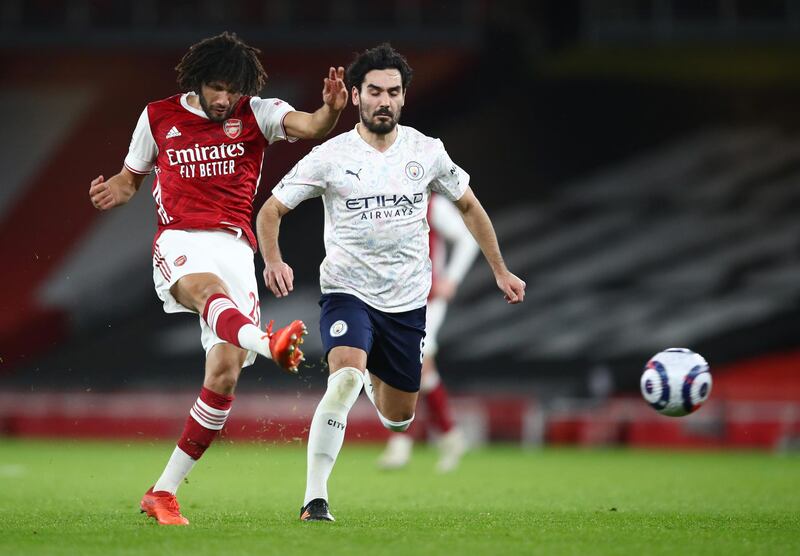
column 232, row 128
column 414, row 171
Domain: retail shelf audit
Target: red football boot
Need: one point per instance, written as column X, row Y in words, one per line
column 163, row 506
column 284, row 345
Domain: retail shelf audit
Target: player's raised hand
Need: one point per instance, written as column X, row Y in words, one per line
column 101, row 194
column 279, row 278
column 512, row 287
column 334, row 91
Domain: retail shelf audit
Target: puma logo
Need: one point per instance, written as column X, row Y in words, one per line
column 346, row 172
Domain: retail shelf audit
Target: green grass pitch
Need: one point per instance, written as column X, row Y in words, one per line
column 82, row 498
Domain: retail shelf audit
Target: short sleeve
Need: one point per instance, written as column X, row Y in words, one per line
column 448, row 178
column 143, row 151
column 269, row 113
column 308, row 179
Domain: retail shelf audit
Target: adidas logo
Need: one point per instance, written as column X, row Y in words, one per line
column 173, row 133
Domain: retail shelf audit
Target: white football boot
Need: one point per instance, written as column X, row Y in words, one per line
column 452, row 446
column 397, row 452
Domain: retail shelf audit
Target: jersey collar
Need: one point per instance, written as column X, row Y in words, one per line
column 189, row 107
column 368, row 147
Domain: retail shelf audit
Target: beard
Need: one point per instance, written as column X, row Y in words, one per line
column 380, row 127
column 211, row 115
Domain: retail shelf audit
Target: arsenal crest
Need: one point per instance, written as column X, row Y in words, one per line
column 232, row 128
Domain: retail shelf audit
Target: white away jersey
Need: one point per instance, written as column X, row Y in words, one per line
column 376, row 230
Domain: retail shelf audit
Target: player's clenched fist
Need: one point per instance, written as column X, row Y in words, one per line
column 512, row 287
column 101, row 195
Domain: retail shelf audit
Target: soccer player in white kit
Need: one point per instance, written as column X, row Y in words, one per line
column 375, row 181
column 206, row 147
column 452, row 252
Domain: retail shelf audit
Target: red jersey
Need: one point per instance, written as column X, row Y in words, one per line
column 207, row 173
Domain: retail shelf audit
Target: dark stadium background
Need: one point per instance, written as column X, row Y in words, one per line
column 640, row 160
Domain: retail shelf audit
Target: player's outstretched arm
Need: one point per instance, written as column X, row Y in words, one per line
column 278, row 276
column 317, row 125
column 118, row 190
column 481, row 228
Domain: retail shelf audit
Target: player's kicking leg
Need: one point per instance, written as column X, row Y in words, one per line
column 231, row 325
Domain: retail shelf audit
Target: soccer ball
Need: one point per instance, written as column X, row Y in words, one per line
column 676, row 382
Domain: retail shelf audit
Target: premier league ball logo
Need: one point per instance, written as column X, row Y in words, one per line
column 676, row 382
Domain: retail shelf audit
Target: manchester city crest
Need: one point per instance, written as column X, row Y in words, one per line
column 338, row 328
column 414, row 170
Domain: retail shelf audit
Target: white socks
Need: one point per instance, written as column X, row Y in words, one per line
column 252, row 337
column 395, row 426
column 369, row 390
column 177, row 468
column 327, row 429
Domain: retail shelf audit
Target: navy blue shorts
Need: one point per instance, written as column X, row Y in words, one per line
column 393, row 341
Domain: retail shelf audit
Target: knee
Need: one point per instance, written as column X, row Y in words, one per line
column 223, row 377
column 193, row 291
column 347, row 378
column 344, row 385
column 201, row 292
column 341, row 357
column 397, row 418
column 398, row 414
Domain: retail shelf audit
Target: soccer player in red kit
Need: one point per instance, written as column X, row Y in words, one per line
column 207, row 147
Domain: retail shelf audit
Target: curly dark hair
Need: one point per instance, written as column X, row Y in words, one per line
column 225, row 58
column 382, row 56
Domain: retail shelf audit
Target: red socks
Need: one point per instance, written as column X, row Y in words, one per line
column 439, row 408
column 224, row 318
column 206, row 419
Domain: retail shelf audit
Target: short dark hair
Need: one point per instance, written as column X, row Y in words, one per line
column 225, row 58
column 382, row 56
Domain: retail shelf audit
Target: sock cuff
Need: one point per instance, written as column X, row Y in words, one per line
column 346, row 370
column 217, row 401
column 344, row 386
column 209, row 302
column 396, row 426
